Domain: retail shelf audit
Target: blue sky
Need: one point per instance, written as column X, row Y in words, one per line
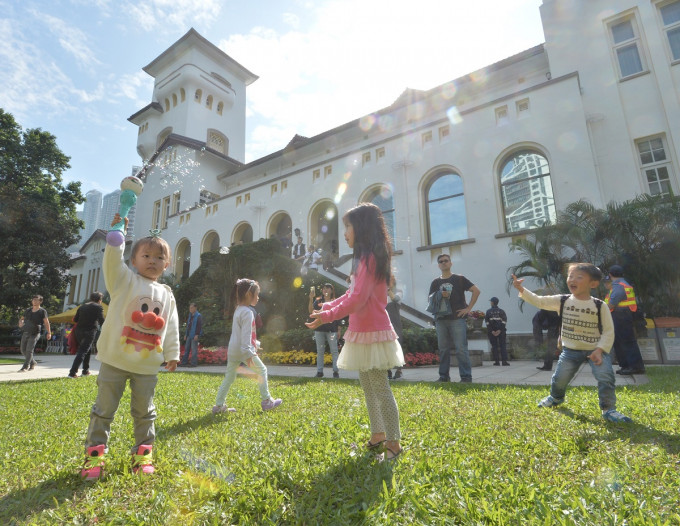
column 74, row 67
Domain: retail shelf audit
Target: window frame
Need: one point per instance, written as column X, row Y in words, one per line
column 666, row 28
column 427, row 189
column 369, row 197
column 654, row 165
column 635, row 40
column 527, row 180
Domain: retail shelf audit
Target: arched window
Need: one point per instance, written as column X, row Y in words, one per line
column 208, row 102
column 218, row 142
column 162, row 136
column 526, row 191
column 446, row 209
column 198, row 95
column 382, row 198
column 174, row 100
column 167, row 105
column 182, row 95
column 220, row 107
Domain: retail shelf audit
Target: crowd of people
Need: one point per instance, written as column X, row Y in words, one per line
column 141, row 334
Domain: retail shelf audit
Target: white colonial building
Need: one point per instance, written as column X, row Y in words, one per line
column 463, row 168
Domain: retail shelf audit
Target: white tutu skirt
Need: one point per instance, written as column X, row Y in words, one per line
column 381, row 355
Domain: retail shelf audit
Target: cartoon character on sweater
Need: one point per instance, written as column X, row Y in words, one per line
column 143, row 325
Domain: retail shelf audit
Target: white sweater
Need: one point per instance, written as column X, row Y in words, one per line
column 579, row 321
column 142, row 328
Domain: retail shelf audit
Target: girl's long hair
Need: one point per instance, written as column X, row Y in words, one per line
column 370, row 237
column 239, row 291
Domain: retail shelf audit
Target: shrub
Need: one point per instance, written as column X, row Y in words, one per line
column 419, row 340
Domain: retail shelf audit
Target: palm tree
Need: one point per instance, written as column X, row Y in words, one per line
column 642, row 235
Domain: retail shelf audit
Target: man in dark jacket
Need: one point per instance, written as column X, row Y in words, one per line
column 88, row 318
column 495, row 330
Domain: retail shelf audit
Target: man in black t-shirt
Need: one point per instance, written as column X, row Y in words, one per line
column 451, row 328
column 88, row 318
column 31, row 323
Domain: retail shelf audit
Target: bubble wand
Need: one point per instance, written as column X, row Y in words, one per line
column 131, row 187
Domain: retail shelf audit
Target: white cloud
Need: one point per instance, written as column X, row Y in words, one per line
column 136, row 87
column 291, row 20
column 357, row 56
column 164, row 15
column 71, row 39
column 25, row 92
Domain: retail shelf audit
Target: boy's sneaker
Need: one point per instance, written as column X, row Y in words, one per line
column 94, row 463
column 397, row 374
column 614, row 416
column 548, row 401
column 217, row 409
column 143, row 460
column 86, row 373
column 32, row 366
column 272, row 403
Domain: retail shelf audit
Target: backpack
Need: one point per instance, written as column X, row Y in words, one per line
column 598, row 304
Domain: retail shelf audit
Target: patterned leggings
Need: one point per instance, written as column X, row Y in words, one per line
column 382, row 407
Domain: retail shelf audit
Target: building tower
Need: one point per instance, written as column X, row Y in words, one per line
column 91, row 213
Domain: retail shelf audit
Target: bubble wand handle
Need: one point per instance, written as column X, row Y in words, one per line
column 131, row 187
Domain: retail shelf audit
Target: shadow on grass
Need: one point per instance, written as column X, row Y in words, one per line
column 340, row 495
column 632, row 432
column 17, row 506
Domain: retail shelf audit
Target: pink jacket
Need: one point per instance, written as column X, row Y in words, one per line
column 364, row 301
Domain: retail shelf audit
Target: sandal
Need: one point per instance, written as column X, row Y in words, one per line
column 395, row 454
column 371, row 446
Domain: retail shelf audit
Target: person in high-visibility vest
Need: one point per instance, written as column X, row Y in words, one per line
column 622, row 304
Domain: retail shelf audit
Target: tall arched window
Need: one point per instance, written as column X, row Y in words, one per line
column 446, row 209
column 174, row 100
column 526, row 190
column 208, row 102
column 182, row 95
column 198, row 95
column 382, row 198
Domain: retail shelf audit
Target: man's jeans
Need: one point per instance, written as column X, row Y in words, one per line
column 190, row 351
column 28, row 342
column 321, row 337
column 569, row 364
column 85, row 341
column 450, row 334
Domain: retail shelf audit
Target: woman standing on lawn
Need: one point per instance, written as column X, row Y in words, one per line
column 243, row 346
column 371, row 345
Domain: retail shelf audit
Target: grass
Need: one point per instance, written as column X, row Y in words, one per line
column 6, row 360
column 476, row 454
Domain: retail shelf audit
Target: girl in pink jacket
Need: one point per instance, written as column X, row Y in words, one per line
column 371, row 345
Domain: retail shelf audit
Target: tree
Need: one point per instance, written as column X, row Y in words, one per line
column 642, row 235
column 37, row 216
column 284, row 293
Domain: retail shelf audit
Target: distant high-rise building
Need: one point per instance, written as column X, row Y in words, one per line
column 91, row 213
column 110, row 206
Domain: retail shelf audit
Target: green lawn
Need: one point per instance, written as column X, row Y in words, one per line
column 6, row 360
column 475, row 454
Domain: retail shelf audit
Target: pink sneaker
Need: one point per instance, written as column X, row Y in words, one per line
column 270, row 404
column 143, row 460
column 94, row 463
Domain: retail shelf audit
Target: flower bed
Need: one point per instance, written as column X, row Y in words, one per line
column 421, row 358
column 309, row 358
column 210, row 355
